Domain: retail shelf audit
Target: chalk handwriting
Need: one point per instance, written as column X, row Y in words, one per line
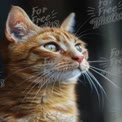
column 106, row 12
column 42, row 16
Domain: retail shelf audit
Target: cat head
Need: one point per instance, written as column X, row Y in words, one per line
column 52, row 52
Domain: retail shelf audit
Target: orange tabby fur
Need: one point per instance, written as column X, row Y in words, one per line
column 53, row 102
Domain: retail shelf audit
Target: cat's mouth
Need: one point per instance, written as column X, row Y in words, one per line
column 84, row 67
column 81, row 67
column 75, row 73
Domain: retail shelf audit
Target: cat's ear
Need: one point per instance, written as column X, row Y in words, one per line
column 69, row 22
column 18, row 25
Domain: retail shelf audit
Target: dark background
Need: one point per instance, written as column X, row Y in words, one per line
column 100, row 41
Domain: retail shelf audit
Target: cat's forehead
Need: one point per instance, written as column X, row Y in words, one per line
column 59, row 35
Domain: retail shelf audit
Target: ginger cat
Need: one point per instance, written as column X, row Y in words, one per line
column 42, row 70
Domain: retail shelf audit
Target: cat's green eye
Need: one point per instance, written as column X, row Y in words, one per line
column 78, row 47
column 51, row 47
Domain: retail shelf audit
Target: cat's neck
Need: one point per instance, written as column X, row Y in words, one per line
column 28, row 97
column 52, row 95
column 29, row 86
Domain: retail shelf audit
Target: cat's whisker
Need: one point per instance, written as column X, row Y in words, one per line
column 80, row 36
column 28, row 85
column 104, row 71
column 83, row 74
column 91, row 8
column 93, row 16
column 22, row 69
column 99, row 61
column 59, row 85
column 30, row 89
column 55, row 80
column 103, row 58
column 31, row 83
column 103, row 64
column 81, row 82
column 50, row 78
column 94, row 85
column 100, row 86
column 47, row 82
column 82, row 32
column 90, row 83
column 63, row 66
column 44, row 83
column 36, row 83
column 97, row 83
column 33, row 76
column 83, row 38
column 105, row 78
column 84, row 81
column 91, row 13
column 45, row 74
column 57, row 76
column 81, row 26
column 54, row 77
column 119, row 2
column 25, row 63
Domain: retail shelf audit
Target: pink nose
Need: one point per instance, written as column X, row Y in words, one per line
column 79, row 59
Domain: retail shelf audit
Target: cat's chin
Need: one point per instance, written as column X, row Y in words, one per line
column 72, row 77
column 69, row 76
column 75, row 74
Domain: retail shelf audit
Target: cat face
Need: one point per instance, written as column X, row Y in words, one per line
column 51, row 52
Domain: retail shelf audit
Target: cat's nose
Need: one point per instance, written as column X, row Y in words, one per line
column 79, row 59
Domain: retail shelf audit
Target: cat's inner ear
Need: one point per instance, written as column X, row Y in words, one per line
column 69, row 22
column 18, row 25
